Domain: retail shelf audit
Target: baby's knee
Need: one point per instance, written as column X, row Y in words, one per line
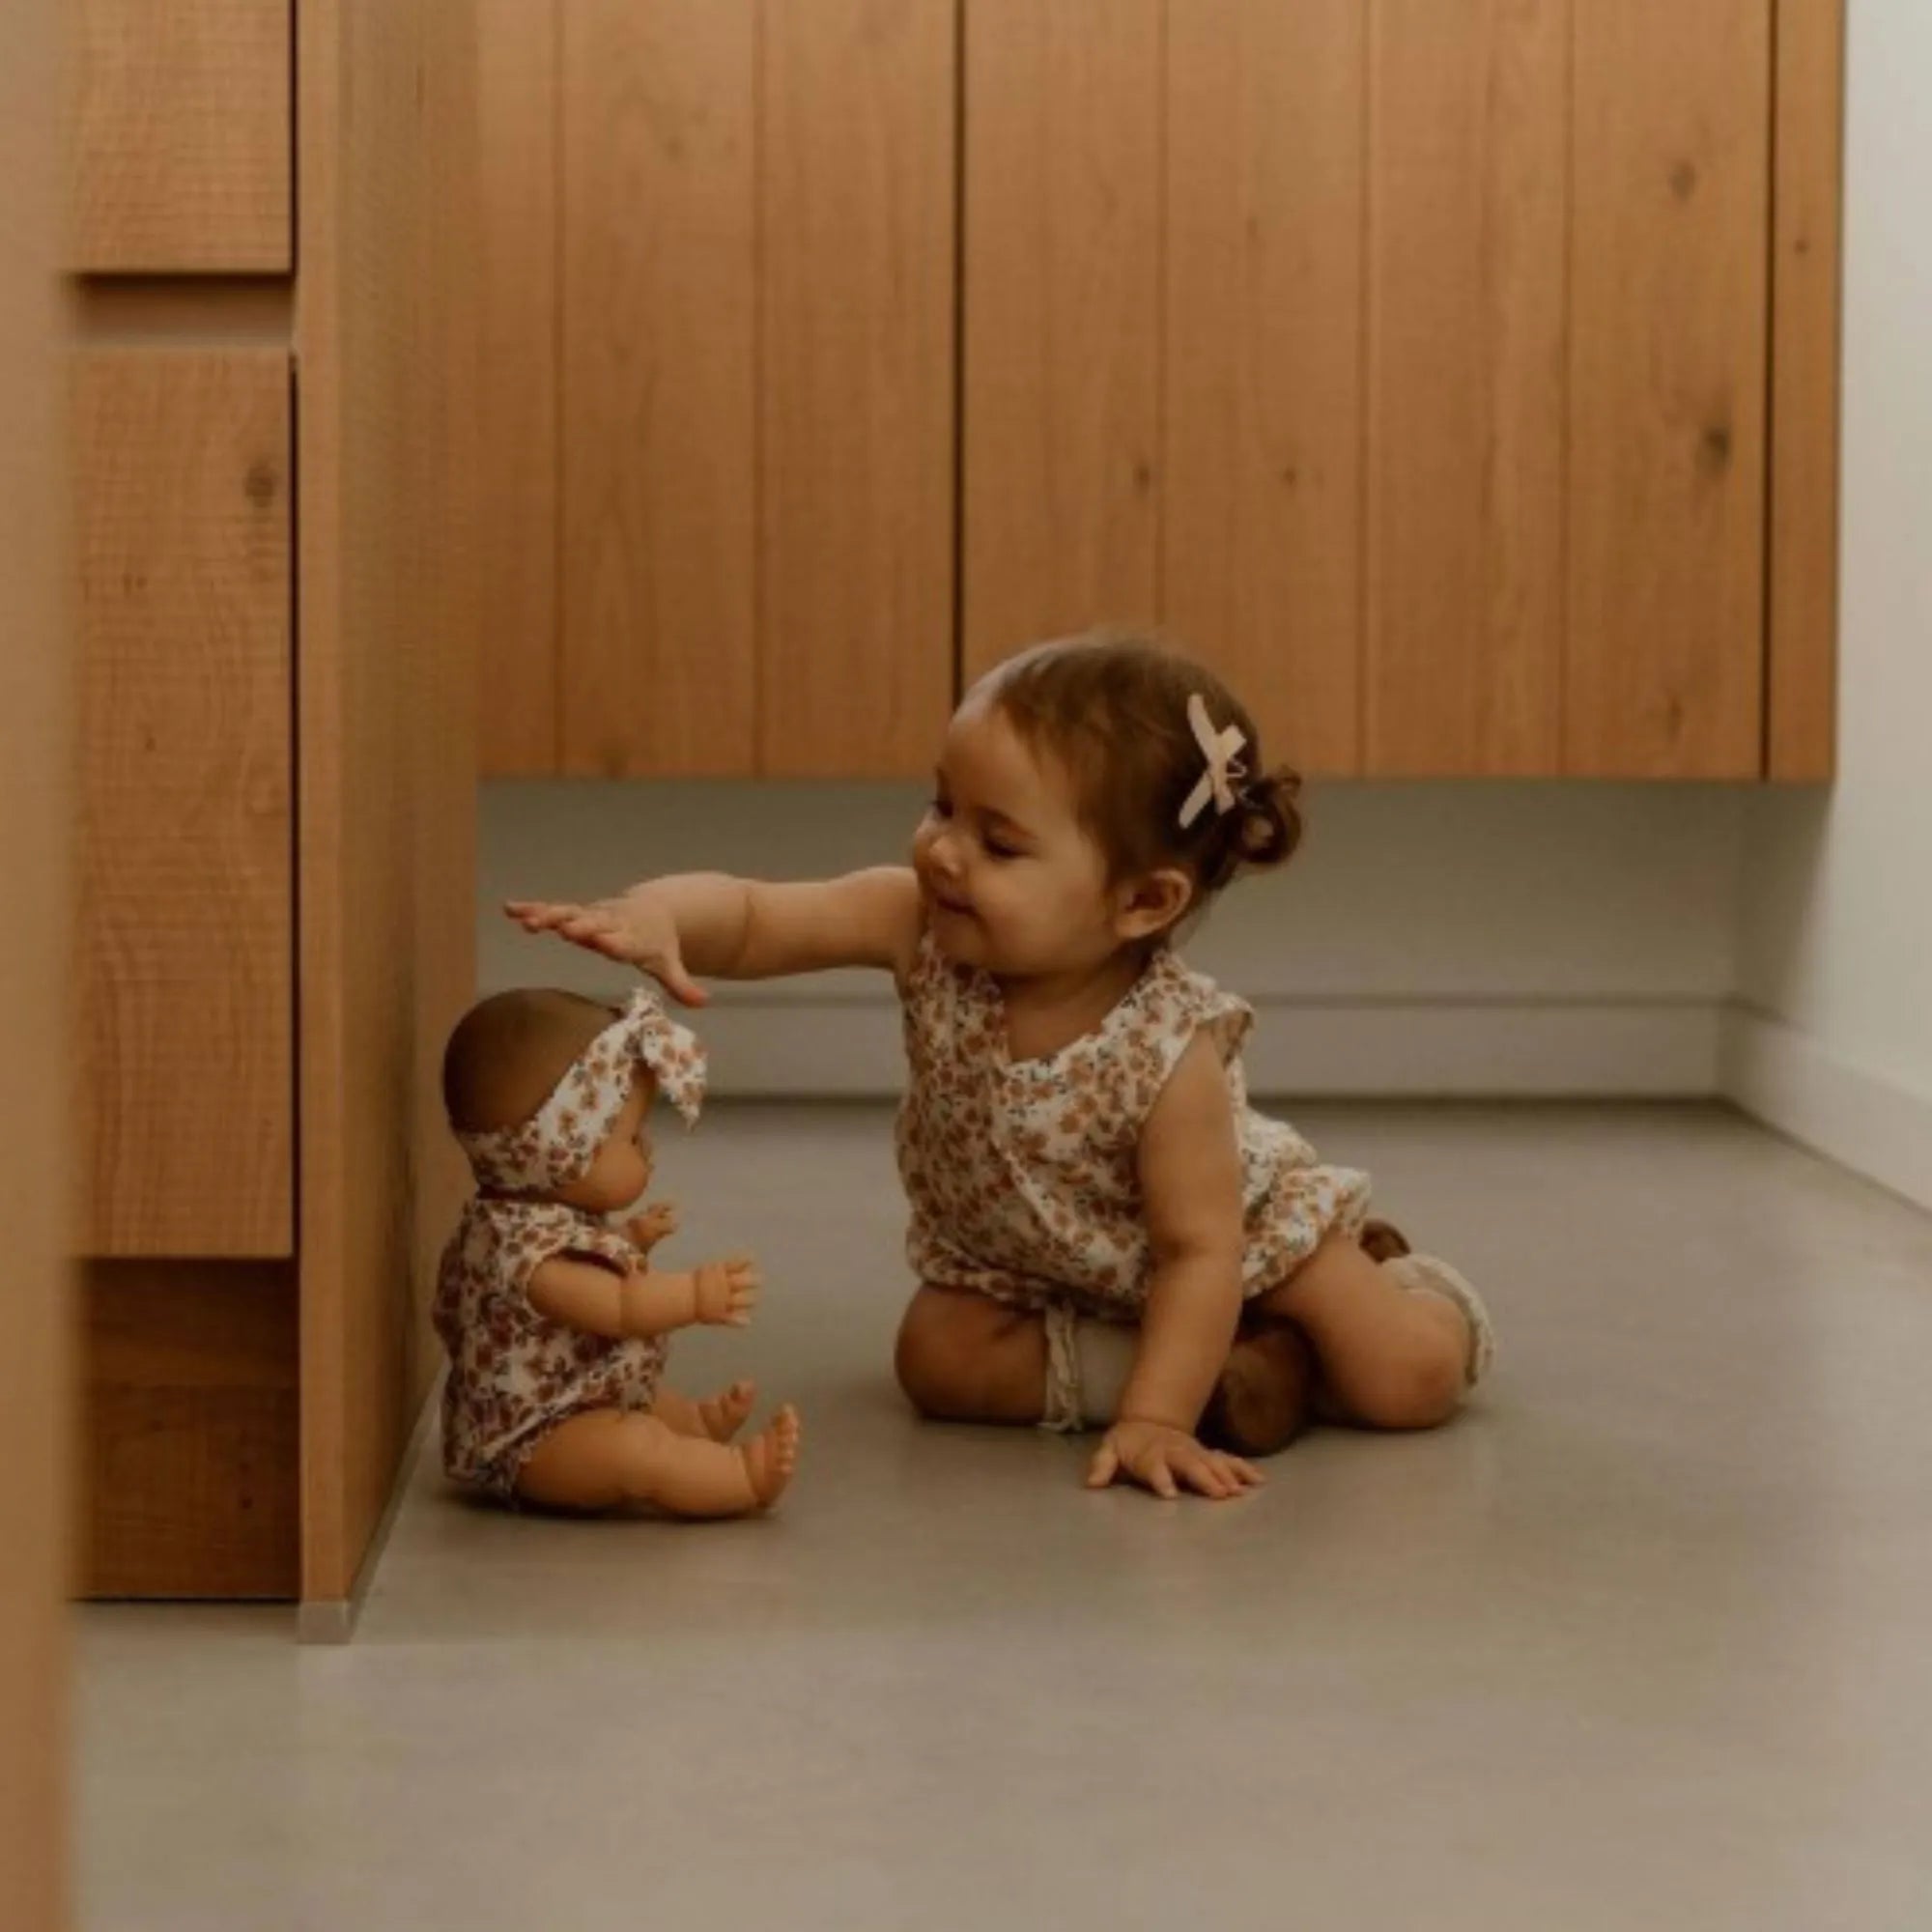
column 1419, row 1386
column 943, row 1355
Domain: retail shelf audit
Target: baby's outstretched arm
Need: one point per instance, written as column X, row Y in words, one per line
column 1190, row 1172
column 709, row 924
column 644, row 1303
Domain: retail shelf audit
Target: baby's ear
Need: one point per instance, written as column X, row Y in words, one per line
column 1151, row 904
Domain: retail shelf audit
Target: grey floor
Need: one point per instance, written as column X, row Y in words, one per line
column 1645, row 1640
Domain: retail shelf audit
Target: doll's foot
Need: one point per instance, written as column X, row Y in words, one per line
column 1266, row 1393
column 724, row 1414
column 771, row 1457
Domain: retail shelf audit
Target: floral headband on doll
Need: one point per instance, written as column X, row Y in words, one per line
column 557, row 1144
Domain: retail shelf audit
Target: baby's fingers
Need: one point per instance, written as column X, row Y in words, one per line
column 1104, row 1467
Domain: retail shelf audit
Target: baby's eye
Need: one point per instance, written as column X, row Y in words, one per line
column 940, row 807
column 998, row 848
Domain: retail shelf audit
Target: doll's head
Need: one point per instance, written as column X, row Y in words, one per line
column 548, row 1093
column 1093, row 795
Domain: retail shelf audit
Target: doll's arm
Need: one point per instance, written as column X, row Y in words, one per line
column 710, row 925
column 657, row 1223
column 1190, row 1175
column 644, row 1303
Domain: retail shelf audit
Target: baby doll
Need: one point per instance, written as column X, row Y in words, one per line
column 554, row 1323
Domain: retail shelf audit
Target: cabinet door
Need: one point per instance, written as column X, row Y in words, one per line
column 1261, row 540
column 186, row 995
column 517, row 390
column 758, row 385
column 1468, row 225
column 1060, row 383
column 857, row 186
column 183, row 136
column 1669, row 249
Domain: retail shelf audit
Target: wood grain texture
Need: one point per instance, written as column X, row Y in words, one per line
column 182, row 136
column 188, row 1484
column 1262, row 524
column 1062, row 306
column 856, row 402
column 1469, row 222
column 35, row 806
column 184, row 1052
column 518, row 645
column 387, row 755
column 1808, row 196
column 1664, row 671
column 660, row 387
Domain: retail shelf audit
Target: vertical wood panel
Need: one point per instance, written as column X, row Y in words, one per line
column 189, row 1485
column 186, row 1057
column 517, row 438
column 856, row 404
column 36, row 786
column 183, row 136
column 659, row 300
column 1801, row 742
column 1664, row 671
column 1262, row 540
column 1469, row 212
column 387, row 759
column 1062, row 319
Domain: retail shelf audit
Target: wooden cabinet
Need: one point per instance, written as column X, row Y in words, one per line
column 187, row 1068
column 185, row 124
column 754, row 326
column 1456, row 373
column 275, row 607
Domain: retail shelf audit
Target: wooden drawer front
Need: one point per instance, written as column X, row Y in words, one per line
column 186, row 1050
column 184, row 137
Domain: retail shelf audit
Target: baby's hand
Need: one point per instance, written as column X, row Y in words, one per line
column 657, row 1223
column 728, row 1291
column 636, row 928
column 1160, row 1458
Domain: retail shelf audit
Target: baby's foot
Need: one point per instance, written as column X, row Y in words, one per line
column 723, row 1413
column 1266, row 1392
column 771, row 1457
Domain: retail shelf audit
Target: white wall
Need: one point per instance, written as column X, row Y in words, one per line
column 1442, row 938
column 1835, row 947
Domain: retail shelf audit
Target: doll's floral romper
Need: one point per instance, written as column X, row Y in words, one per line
column 514, row 1373
column 1023, row 1176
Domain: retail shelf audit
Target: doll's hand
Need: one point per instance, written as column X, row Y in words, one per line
column 728, row 1291
column 1161, row 1457
column 657, row 1223
column 636, row 927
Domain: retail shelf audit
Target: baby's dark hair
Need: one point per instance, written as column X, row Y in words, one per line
column 510, row 1050
column 1112, row 707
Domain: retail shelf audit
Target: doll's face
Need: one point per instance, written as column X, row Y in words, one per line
column 622, row 1169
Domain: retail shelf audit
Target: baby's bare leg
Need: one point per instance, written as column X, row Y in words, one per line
column 607, row 1458
column 719, row 1416
column 962, row 1357
column 1393, row 1356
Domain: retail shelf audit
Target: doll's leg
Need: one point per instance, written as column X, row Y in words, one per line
column 963, row 1357
column 1395, row 1351
column 719, row 1416
column 609, row 1457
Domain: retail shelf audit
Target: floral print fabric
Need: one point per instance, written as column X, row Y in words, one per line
column 556, row 1145
column 514, row 1373
column 1022, row 1176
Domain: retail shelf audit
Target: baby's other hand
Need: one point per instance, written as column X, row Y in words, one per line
column 1161, row 1457
column 657, row 1223
column 727, row 1291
